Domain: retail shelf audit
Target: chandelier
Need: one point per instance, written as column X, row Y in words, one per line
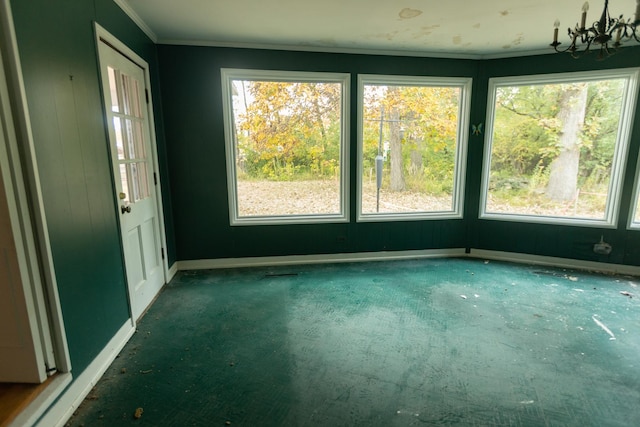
column 607, row 33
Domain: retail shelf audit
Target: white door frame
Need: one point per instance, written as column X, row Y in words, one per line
column 32, row 353
column 34, row 233
column 102, row 35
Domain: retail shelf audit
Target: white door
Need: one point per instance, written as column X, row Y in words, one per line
column 123, row 84
column 21, row 356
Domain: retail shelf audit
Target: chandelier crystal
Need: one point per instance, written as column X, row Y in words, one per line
column 607, row 34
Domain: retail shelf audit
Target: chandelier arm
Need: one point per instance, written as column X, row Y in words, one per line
column 567, row 49
column 604, row 49
column 614, row 25
column 604, row 19
column 588, row 47
column 606, row 33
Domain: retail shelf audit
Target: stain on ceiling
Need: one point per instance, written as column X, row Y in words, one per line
column 457, row 28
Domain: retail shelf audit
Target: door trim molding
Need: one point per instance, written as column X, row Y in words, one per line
column 26, row 359
column 102, row 35
column 38, row 248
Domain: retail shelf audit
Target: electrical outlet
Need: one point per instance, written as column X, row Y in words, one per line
column 602, row 247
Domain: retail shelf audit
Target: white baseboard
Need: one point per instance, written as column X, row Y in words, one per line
column 63, row 408
column 41, row 403
column 575, row 264
column 204, row 264
column 173, row 270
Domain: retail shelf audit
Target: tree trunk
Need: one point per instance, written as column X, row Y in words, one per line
column 397, row 169
column 563, row 179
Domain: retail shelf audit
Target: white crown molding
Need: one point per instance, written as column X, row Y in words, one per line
column 354, row 51
column 518, row 54
column 124, row 5
column 319, row 49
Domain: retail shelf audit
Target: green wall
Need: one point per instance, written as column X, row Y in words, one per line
column 58, row 54
column 191, row 89
column 554, row 240
column 57, row 49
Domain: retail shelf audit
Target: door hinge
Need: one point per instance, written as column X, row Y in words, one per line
column 162, row 252
column 146, row 95
column 50, row 371
column 155, row 179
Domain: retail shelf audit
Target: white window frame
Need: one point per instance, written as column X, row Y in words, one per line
column 612, row 209
column 230, row 74
column 464, row 83
column 633, row 211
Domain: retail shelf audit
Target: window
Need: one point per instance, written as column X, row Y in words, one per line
column 286, row 146
column 412, row 151
column 128, row 124
column 635, row 207
column 556, row 147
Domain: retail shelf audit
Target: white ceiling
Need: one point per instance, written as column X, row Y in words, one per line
column 456, row 28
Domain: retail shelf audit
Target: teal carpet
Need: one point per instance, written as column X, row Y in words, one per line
column 424, row 342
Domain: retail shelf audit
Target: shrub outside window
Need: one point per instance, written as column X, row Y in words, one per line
column 556, row 146
column 634, row 221
column 286, row 146
column 411, row 145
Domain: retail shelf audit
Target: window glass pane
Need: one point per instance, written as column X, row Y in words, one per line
column 124, row 178
column 635, row 208
column 286, row 148
column 130, row 138
column 409, row 148
column 113, row 89
column 128, row 122
column 134, row 174
column 134, row 135
column 138, row 136
column 135, row 181
column 556, row 149
column 117, row 126
column 143, row 181
column 135, row 98
column 126, row 94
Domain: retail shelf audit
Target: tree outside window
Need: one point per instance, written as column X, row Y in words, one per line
column 557, row 146
column 635, row 208
column 286, row 151
column 412, row 146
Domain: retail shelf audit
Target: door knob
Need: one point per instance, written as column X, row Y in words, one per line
column 125, row 209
